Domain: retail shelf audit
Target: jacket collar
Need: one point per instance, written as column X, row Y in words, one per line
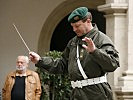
column 90, row 34
column 28, row 73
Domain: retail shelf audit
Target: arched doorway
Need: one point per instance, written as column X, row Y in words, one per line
column 63, row 32
column 57, row 16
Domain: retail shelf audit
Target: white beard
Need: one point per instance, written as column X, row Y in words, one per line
column 22, row 68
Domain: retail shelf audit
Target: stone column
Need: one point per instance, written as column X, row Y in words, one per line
column 116, row 29
column 125, row 89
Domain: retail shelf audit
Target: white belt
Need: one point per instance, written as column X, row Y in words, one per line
column 86, row 82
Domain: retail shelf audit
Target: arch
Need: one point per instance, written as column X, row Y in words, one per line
column 56, row 16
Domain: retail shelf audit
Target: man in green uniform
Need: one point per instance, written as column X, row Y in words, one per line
column 87, row 58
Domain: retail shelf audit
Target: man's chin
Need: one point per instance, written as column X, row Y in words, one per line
column 79, row 35
column 21, row 69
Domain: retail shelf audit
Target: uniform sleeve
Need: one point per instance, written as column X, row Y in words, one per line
column 58, row 66
column 107, row 57
column 38, row 88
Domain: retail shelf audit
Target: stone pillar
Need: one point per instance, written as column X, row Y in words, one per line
column 116, row 29
column 125, row 89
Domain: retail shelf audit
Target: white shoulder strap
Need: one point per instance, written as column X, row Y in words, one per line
column 79, row 65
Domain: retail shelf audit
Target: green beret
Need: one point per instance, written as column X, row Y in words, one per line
column 78, row 14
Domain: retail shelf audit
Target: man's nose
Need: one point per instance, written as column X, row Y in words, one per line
column 19, row 64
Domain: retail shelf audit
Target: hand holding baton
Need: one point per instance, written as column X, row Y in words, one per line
column 34, row 57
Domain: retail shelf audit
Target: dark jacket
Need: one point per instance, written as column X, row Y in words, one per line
column 103, row 60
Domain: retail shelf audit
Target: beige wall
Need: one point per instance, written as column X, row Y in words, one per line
column 29, row 17
column 35, row 20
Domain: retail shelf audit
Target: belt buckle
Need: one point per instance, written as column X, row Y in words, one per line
column 85, row 82
column 79, row 84
column 90, row 81
column 96, row 80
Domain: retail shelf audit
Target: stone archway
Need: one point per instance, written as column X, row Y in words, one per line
column 56, row 16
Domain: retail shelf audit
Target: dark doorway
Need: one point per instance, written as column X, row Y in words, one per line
column 63, row 32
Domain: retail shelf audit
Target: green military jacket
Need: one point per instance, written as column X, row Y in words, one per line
column 103, row 60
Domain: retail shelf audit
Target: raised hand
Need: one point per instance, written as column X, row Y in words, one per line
column 90, row 47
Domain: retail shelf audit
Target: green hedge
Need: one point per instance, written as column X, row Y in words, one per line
column 54, row 87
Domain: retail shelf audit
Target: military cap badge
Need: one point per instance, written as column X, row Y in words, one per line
column 76, row 18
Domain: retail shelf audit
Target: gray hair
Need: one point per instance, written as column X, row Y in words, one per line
column 25, row 57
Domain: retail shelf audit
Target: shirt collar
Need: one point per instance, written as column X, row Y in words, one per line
column 17, row 74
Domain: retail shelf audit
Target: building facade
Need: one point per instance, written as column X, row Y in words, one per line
column 36, row 20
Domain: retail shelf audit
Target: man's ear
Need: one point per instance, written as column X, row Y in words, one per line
column 88, row 20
